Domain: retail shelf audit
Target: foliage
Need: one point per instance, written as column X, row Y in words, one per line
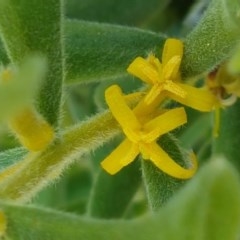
column 57, row 60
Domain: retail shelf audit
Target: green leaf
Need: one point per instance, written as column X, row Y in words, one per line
column 213, row 39
column 205, row 152
column 71, row 192
column 159, row 186
column 111, row 195
column 95, row 52
column 113, row 44
column 28, row 27
column 228, row 140
column 207, row 208
column 194, row 15
column 124, row 12
column 11, row 156
column 128, row 84
column 192, row 137
column 3, row 55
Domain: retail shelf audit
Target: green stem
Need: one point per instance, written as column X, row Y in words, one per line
column 38, row 170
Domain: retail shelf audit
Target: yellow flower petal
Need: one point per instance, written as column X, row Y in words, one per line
column 164, row 123
column 171, row 68
column 174, row 88
column 120, row 110
column 143, row 110
column 142, row 69
column 172, row 47
column 199, row 99
column 223, row 78
column 153, row 93
column 130, row 154
column 124, row 154
column 164, row 162
column 155, row 62
column 134, row 97
column 31, row 129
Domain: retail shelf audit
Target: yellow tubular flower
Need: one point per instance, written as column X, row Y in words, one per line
column 229, row 82
column 31, row 129
column 142, row 137
column 226, row 88
column 164, row 78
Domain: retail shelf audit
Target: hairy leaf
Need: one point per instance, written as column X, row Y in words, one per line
column 207, row 208
column 159, row 186
column 95, row 51
column 111, row 195
column 11, row 156
column 28, row 27
column 213, row 39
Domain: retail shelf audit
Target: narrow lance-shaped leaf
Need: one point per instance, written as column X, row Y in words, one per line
column 207, row 208
column 11, row 156
column 10, row 161
column 125, row 12
column 213, row 39
column 111, row 195
column 3, row 55
column 95, row 52
column 36, row 27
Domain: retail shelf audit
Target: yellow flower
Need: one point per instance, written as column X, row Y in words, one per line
column 142, row 137
column 165, row 78
column 31, row 129
column 224, row 84
column 226, row 88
